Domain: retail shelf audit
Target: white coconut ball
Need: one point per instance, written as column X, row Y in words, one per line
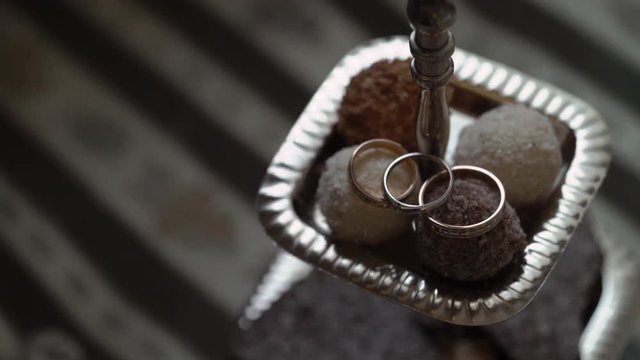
column 349, row 217
column 519, row 146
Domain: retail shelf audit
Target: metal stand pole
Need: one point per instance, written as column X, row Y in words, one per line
column 432, row 45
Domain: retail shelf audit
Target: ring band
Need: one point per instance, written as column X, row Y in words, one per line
column 473, row 230
column 416, row 208
column 385, row 144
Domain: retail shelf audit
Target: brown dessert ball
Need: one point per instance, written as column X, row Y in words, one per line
column 519, row 146
column 476, row 258
column 326, row 318
column 381, row 102
column 323, row 318
column 551, row 325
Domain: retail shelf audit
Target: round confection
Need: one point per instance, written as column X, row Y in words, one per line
column 381, row 102
column 331, row 319
column 349, row 217
column 519, row 146
column 551, row 325
column 476, row 258
column 323, row 318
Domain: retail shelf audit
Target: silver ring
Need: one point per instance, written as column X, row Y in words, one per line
column 416, row 208
column 473, row 230
column 367, row 196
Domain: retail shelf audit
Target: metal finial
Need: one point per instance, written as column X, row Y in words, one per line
column 432, row 45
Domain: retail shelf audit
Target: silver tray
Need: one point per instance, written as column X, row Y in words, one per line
column 286, row 209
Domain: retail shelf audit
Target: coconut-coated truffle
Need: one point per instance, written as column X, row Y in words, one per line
column 349, row 217
column 381, row 102
column 476, row 258
column 519, row 146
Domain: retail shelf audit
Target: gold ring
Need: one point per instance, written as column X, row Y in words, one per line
column 381, row 144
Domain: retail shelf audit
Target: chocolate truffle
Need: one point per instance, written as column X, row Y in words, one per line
column 323, row 318
column 349, row 217
column 551, row 325
column 519, row 146
column 381, row 102
column 476, row 258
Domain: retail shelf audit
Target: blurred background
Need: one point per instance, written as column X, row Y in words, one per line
column 134, row 135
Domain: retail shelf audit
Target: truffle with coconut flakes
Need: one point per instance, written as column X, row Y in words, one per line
column 519, row 146
column 349, row 217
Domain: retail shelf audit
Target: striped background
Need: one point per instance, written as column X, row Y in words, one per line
column 134, row 134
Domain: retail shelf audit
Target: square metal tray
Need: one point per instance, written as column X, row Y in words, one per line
column 286, row 209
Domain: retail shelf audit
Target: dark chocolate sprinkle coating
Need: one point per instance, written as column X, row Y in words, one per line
column 475, row 258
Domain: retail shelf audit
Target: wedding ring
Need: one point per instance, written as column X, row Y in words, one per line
column 373, row 197
column 421, row 207
column 473, row 230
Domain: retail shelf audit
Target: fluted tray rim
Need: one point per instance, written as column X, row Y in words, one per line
column 297, row 153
